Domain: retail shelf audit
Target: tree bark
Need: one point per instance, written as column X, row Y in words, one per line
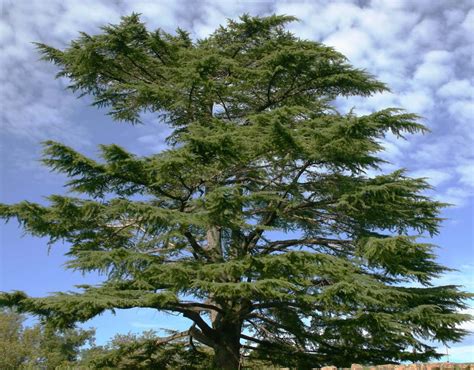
column 227, row 344
column 214, row 242
column 227, row 353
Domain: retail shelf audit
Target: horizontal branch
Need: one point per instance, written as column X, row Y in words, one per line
column 164, row 340
column 281, row 244
column 201, row 306
column 271, row 304
column 252, row 339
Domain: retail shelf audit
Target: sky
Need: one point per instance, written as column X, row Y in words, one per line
column 423, row 49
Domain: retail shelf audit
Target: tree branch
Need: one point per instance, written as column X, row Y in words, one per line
column 196, row 318
column 197, row 248
column 204, row 339
column 224, row 106
column 202, row 306
column 170, row 338
column 255, row 235
column 283, row 244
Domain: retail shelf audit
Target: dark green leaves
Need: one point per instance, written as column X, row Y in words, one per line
column 64, row 309
column 401, row 255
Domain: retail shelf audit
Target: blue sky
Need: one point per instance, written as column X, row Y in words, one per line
column 422, row 49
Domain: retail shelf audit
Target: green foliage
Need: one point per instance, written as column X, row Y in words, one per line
column 39, row 346
column 142, row 352
column 259, row 223
column 12, row 345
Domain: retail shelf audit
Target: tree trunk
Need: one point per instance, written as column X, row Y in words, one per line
column 227, row 355
column 227, row 346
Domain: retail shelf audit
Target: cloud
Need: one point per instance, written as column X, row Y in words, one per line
column 463, row 276
column 156, row 14
column 466, row 174
column 391, row 151
column 463, row 112
column 427, row 32
column 469, row 325
column 421, row 50
column 35, row 106
column 435, row 70
column 456, row 196
column 434, row 176
column 468, row 24
column 353, row 43
column 456, row 89
column 153, row 143
column 205, row 16
column 419, row 101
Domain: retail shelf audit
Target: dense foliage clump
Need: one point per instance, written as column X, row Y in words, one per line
column 39, row 346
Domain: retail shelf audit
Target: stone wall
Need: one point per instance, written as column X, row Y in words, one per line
column 429, row 366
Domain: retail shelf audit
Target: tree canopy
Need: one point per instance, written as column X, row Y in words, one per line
column 38, row 346
column 259, row 223
column 133, row 352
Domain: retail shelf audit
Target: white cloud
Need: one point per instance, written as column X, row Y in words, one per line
column 319, row 20
column 6, row 33
column 78, row 16
column 353, row 43
column 425, row 32
column 434, row 176
column 463, row 276
column 388, row 4
column 440, row 151
column 457, row 89
column 435, row 70
column 468, row 325
column 418, row 101
column 438, row 56
column 391, row 151
column 454, row 16
column 211, row 14
column 466, row 173
column 156, row 14
column 153, row 143
column 35, row 106
column 468, row 24
column 456, row 196
column 463, row 111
